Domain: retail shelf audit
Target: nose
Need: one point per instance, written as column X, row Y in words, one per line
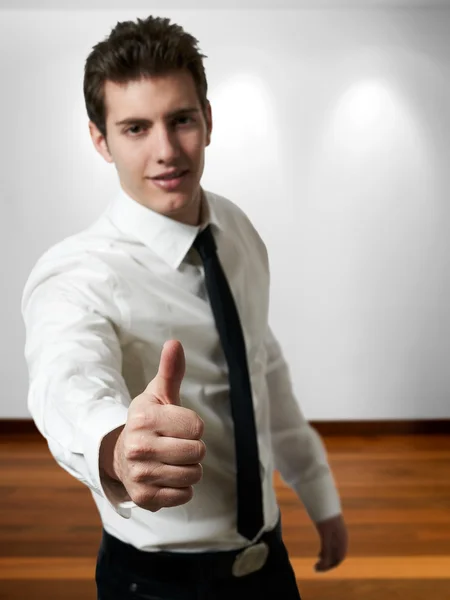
column 165, row 145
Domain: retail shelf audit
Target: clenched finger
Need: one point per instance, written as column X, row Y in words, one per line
column 173, row 451
column 176, row 477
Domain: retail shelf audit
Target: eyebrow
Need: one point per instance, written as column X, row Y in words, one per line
column 147, row 122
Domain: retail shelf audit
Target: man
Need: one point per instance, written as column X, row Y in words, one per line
column 154, row 375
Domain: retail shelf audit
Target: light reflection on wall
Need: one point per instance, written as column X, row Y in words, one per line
column 370, row 246
column 244, row 151
column 369, row 117
column 243, row 106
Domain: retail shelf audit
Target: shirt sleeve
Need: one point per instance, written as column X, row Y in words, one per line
column 299, row 454
column 76, row 391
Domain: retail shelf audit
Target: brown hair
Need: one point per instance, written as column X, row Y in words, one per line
column 135, row 50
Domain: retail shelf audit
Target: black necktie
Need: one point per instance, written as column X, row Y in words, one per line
column 249, row 490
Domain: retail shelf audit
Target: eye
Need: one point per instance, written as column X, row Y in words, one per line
column 184, row 120
column 132, row 130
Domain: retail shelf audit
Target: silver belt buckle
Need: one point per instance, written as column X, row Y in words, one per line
column 250, row 560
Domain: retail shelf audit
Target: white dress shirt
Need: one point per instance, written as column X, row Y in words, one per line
column 98, row 307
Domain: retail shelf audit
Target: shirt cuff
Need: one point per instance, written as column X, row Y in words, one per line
column 320, row 497
column 100, row 422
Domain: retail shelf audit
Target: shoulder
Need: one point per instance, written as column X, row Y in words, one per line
column 226, row 210
column 234, row 220
column 74, row 264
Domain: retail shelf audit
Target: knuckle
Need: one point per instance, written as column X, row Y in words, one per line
column 196, row 452
column 144, row 417
column 165, row 497
column 198, row 473
column 201, row 449
column 141, row 497
column 132, row 451
column 140, row 446
column 169, row 497
column 188, row 494
column 150, row 418
column 186, row 477
column 196, row 427
column 136, row 416
column 137, row 473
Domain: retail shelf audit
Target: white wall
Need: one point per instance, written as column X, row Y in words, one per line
column 332, row 131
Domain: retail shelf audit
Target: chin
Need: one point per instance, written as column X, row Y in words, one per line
column 178, row 199
column 174, row 202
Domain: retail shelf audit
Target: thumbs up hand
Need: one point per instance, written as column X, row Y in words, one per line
column 158, row 452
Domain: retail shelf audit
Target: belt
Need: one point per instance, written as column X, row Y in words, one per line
column 198, row 566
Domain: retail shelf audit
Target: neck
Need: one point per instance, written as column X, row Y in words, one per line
column 194, row 213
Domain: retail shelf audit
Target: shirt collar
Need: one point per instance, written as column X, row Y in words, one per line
column 169, row 239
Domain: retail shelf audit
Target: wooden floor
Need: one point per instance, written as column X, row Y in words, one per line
column 396, row 497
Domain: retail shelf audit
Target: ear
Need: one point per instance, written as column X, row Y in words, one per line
column 100, row 143
column 209, row 123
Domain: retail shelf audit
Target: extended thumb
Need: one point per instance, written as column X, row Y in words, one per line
column 172, row 366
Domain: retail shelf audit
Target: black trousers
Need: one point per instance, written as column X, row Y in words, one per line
column 125, row 573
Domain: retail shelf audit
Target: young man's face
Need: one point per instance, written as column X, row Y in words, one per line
column 155, row 127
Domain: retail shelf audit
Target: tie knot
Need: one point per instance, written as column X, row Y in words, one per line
column 205, row 244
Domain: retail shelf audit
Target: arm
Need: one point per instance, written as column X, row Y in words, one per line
column 299, row 453
column 77, row 394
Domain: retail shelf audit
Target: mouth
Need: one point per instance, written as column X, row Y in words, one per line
column 170, row 181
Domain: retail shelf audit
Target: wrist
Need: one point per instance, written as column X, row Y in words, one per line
column 107, row 455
